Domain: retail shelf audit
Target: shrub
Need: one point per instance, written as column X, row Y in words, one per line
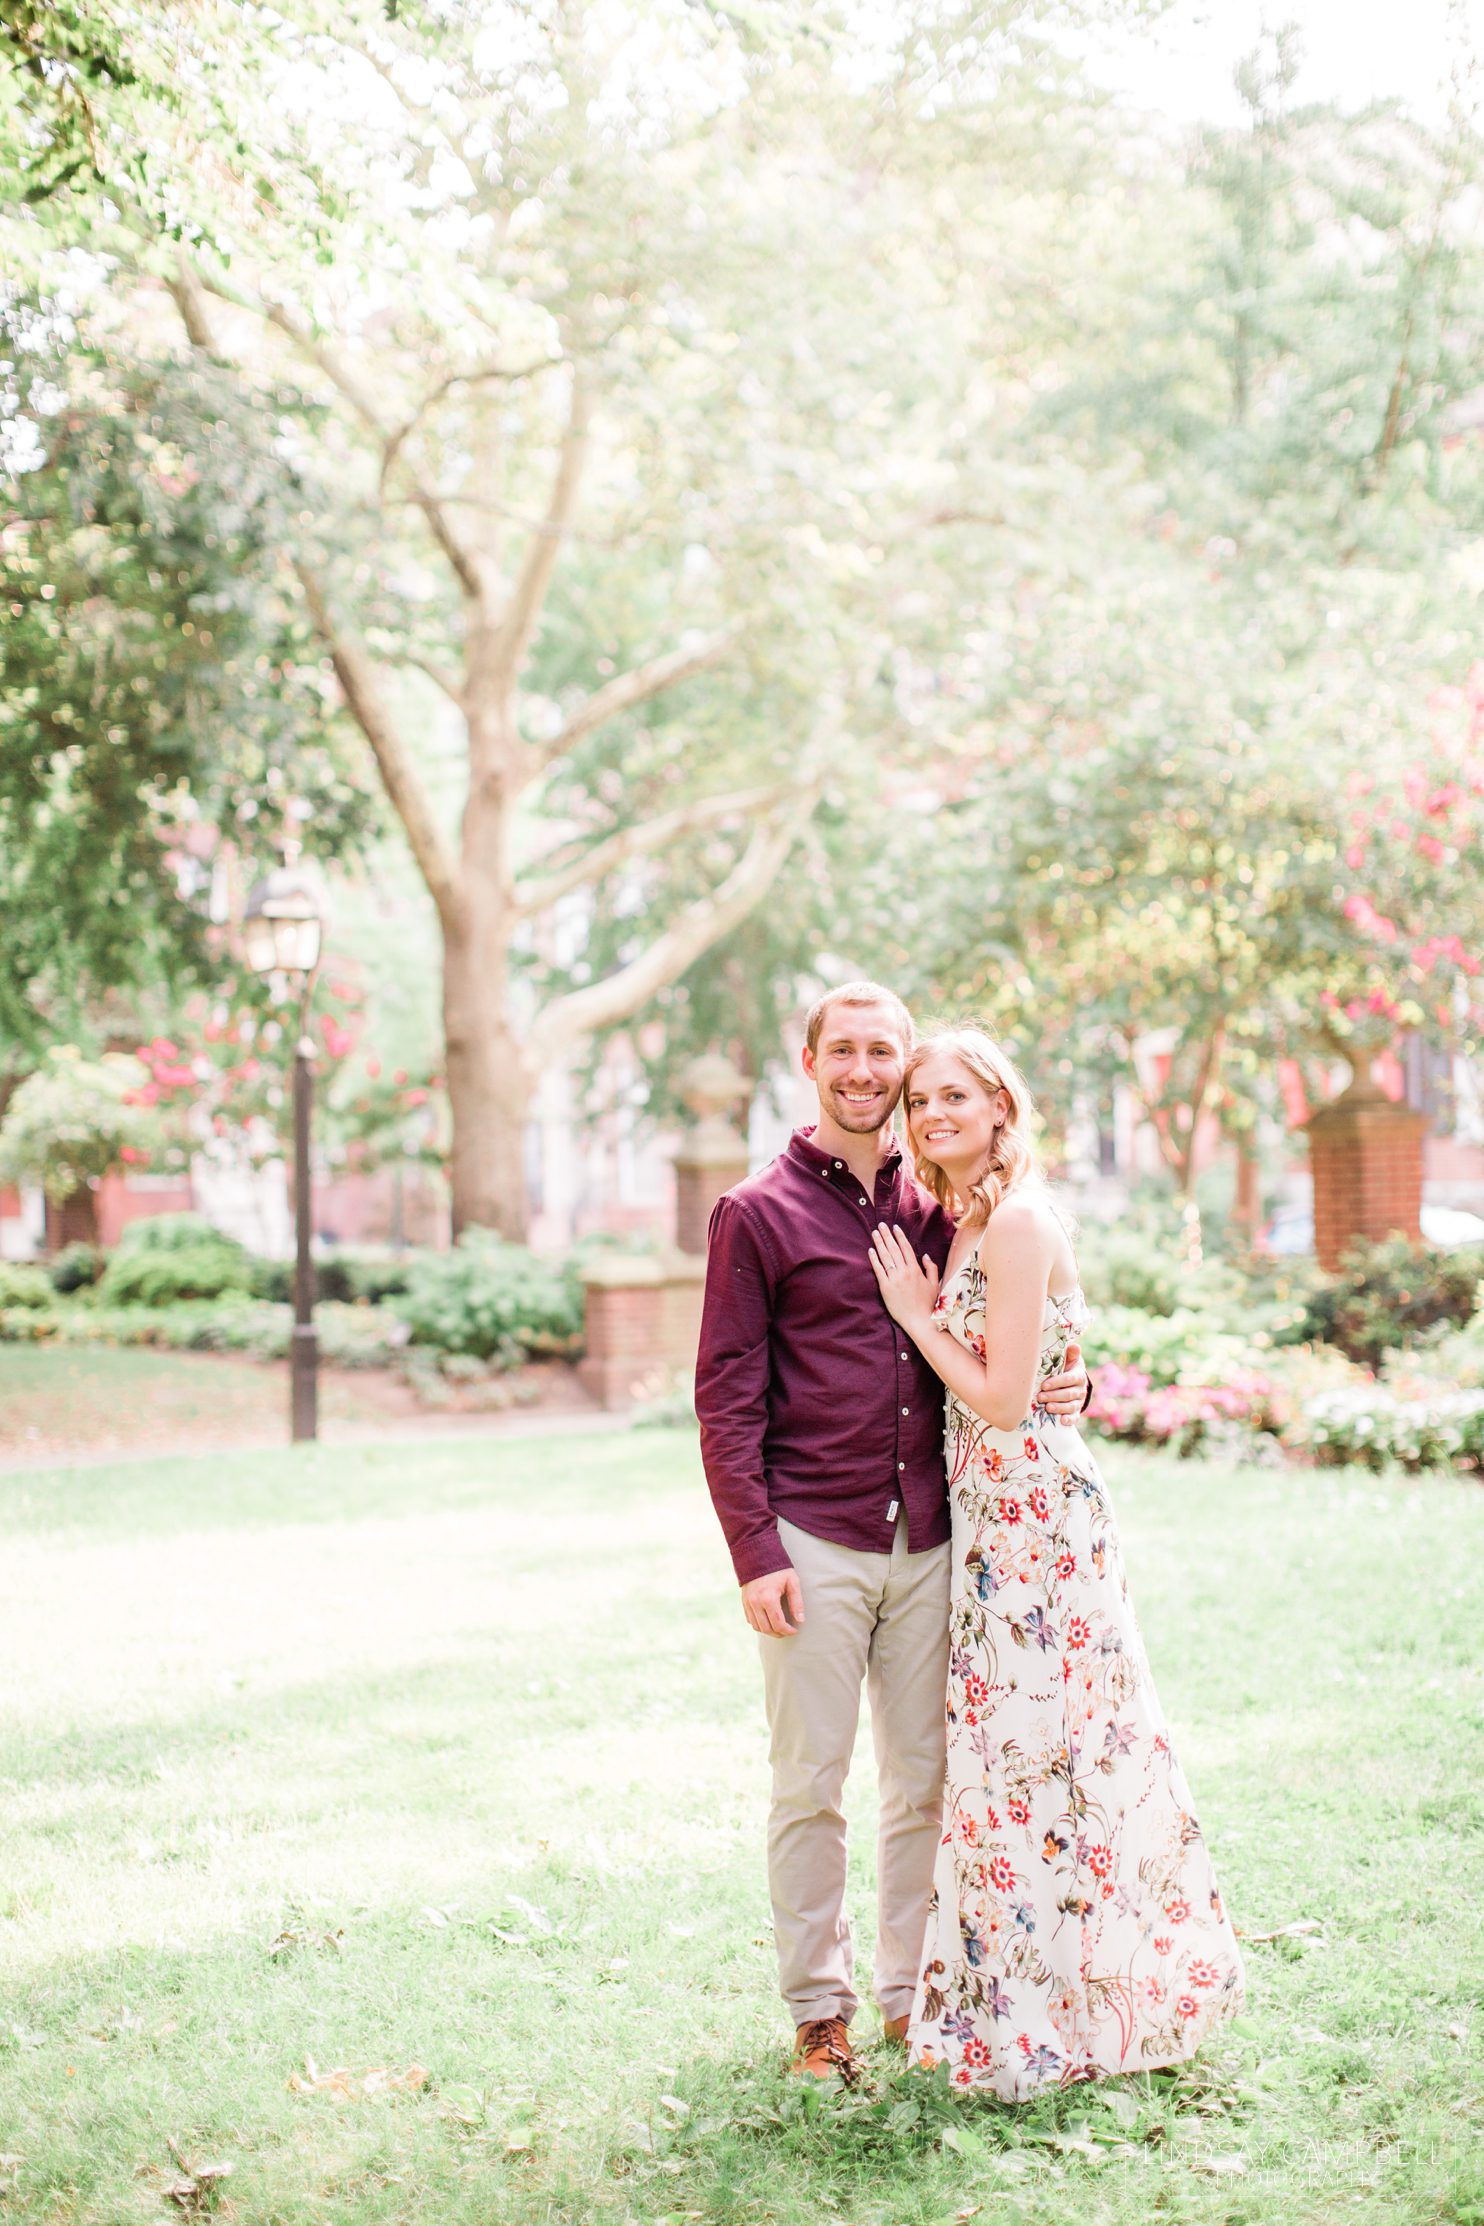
column 492, row 1300
column 1180, row 1348
column 1371, row 1426
column 1185, row 1417
column 1387, row 1295
column 25, row 1286
column 173, row 1232
column 144, row 1277
column 349, row 1336
column 273, row 1279
column 364, row 1277
column 1123, row 1266
column 76, row 1268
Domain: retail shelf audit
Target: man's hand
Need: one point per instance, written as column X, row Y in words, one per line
column 1064, row 1394
column 774, row 1604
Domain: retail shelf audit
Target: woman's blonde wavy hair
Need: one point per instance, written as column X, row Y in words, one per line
column 1012, row 1159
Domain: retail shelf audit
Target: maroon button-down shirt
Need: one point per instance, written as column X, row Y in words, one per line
column 814, row 1404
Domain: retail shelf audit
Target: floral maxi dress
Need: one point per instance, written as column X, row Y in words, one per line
column 1076, row 1929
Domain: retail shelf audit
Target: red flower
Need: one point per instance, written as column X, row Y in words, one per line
column 1163, row 1944
column 1009, row 1511
column 1032, row 1450
column 1203, row 1974
column 1067, row 1565
column 1100, row 1860
column 1002, row 1873
column 975, row 1690
column 1079, row 1631
column 1177, row 1911
column 1040, row 1505
column 1020, row 1811
column 1187, row 2005
column 976, row 2051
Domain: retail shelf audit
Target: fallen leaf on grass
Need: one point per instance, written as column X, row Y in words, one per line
column 198, row 2186
column 1299, row 1930
column 351, row 2086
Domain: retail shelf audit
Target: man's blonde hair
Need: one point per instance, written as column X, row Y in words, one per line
column 857, row 993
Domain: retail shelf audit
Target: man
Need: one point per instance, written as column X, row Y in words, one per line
column 822, row 1437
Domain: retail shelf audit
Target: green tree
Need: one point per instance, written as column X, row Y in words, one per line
column 159, row 695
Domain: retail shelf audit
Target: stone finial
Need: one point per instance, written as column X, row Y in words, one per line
column 708, row 1089
column 712, row 1153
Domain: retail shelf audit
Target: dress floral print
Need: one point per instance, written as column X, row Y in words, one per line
column 1076, row 1929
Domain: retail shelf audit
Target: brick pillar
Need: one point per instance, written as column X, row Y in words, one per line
column 712, row 1154
column 1366, row 1154
column 624, row 1322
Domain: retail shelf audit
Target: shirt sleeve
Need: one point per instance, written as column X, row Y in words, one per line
column 732, row 1372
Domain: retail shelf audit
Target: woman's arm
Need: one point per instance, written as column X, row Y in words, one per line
column 1017, row 1254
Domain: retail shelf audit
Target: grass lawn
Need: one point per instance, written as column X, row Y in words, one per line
column 374, row 1759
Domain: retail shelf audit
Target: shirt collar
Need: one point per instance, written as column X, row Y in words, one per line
column 802, row 1147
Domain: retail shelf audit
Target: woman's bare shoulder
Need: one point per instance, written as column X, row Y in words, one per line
column 1023, row 1221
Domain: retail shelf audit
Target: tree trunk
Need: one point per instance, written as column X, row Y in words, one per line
column 74, row 1221
column 1247, row 1205
column 490, row 1087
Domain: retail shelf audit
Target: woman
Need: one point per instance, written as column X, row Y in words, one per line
column 1076, row 1929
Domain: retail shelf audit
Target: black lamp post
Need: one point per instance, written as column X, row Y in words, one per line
column 281, row 930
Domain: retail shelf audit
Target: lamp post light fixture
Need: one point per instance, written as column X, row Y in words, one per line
column 281, row 932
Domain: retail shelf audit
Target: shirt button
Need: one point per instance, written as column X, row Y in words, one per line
column 839, row 1163
column 901, row 1464
column 906, row 1410
column 904, row 1356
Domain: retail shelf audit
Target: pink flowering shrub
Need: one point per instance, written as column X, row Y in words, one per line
column 1126, row 1404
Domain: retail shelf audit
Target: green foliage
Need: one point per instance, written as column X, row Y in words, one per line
column 1124, row 1265
column 1388, row 1295
column 156, row 691
column 1371, row 1426
column 168, row 1278
column 367, row 1278
column 493, row 1301
column 168, row 1259
column 72, row 1121
column 173, row 1232
column 349, row 1336
column 23, row 1286
column 76, row 1267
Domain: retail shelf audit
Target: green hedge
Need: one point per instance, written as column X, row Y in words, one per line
column 493, row 1301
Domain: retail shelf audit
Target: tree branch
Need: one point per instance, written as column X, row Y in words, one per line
column 519, row 622
column 638, row 841
column 481, row 374
column 629, row 688
column 345, row 380
column 357, row 676
column 698, row 927
column 440, row 679
column 189, row 296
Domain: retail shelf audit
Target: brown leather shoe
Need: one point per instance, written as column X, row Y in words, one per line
column 822, row 2051
column 894, row 2029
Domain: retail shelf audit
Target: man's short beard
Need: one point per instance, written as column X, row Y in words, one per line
column 857, row 1123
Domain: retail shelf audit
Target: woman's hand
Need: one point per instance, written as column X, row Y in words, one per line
column 909, row 1291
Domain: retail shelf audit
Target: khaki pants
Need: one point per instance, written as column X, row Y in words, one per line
column 882, row 1618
